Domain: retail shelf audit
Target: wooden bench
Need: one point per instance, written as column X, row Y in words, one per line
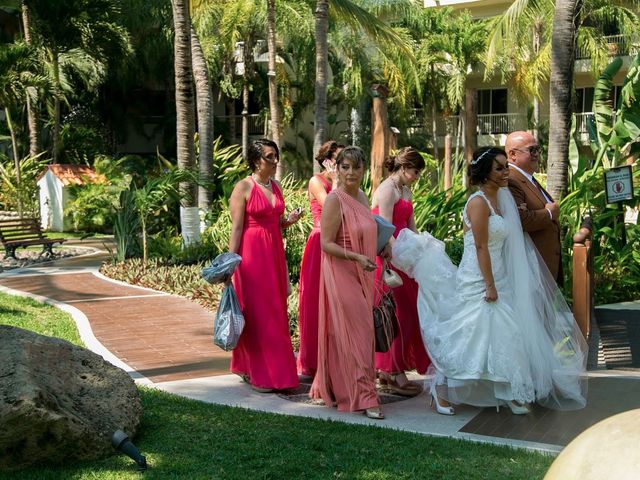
column 24, row 232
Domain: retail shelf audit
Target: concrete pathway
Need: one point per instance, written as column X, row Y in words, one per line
column 165, row 341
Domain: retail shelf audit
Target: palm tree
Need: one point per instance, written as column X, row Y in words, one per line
column 65, row 26
column 33, row 115
column 17, row 82
column 185, row 116
column 322, row 64
column 519, row 47
column 563, row 47
column 271, row 75
column 390, row 46
column 204, row 109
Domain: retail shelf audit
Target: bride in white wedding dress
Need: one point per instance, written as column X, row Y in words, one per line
column 497, row 327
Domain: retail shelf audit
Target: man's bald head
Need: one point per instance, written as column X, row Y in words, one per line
column 519, row 146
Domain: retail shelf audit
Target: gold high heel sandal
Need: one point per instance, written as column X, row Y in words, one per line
column 388, row 381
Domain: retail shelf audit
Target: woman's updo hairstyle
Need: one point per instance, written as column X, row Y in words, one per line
column 355, row 154
column 256, row 150
column 408, row 157
column 327, row 151
column 481, row 165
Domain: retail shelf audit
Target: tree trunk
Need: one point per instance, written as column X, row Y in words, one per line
column 471, row 124
column 434, row 127
column 33, row 120
column 56, row 104
column 231, row 113
column 537, row 33
column 245, row 118
column 563, row 43
column 16, row 159
column 447, row 161
column 273, row 82
column 536, row 119
column 356, row 127
column 379, row 134
column 185, row 114
column 204, row 104
column 322, row 66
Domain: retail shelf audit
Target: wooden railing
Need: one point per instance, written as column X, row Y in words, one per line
column 583, row 276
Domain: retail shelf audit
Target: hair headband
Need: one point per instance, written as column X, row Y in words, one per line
column 473, row 162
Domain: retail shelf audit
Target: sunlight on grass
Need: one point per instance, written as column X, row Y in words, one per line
column 184, row 438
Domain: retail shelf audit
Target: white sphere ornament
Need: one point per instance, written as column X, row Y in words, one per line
column 610, row 449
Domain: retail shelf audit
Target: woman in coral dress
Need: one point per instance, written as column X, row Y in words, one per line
column 392, row 201
column 346, row 371
column 319, row 186
column 264, row 355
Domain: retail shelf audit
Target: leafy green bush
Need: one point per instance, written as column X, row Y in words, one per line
column 30, row 169
column 167, row 246
column 183, row 280
column 616, row 261
column 93, row 207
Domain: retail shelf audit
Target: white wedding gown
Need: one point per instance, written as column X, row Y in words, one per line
column 524, row 347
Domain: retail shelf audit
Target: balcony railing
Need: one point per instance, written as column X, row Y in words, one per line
column 619, row 45
column 499, row 123
column 494, row 124
column 256, row 123
column 582, row 119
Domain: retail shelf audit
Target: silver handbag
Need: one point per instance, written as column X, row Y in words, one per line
column 390, row 277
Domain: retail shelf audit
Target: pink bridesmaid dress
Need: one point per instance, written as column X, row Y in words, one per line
column 407, row 351
column 309, row 291
column 346, row 371
column 264, row 352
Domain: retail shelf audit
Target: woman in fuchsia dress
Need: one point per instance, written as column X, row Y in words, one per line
column 264, row 355
column 392, row 200
column 319, row 187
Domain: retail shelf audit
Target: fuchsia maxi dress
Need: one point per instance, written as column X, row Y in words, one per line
column 264, row 352
column 346, row 369
column 309, row 291
column 407, row 351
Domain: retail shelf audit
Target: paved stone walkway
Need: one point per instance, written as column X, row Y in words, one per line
column 165, row 340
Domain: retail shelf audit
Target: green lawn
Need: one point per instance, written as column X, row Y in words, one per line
column 192, row 440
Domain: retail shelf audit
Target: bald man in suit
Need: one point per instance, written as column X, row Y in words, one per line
column 538, row 212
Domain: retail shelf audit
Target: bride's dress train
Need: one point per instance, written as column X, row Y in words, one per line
column 524, row 347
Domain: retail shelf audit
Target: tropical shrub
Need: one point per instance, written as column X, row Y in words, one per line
column 168, row 246
column 93, row 207
column 30, row 169
column 616, row 245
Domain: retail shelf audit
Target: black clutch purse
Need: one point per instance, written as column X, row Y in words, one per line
column 385, row 322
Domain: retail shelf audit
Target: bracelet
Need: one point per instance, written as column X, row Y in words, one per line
column 490, row 285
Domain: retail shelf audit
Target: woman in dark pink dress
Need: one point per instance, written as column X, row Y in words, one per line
column 264, row 355
column 319, row 186
column 392, row 200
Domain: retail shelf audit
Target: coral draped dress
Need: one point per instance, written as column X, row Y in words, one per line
column 407, row 351
column 346, row 370
column 264, row 352
column 309, row 291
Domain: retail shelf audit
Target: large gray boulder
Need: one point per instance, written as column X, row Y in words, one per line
column 59, row 402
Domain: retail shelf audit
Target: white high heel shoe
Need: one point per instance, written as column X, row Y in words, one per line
column 515, row 408
column 441, row 409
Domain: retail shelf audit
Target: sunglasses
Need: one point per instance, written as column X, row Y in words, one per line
column 271, row 159
column 532, row 150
